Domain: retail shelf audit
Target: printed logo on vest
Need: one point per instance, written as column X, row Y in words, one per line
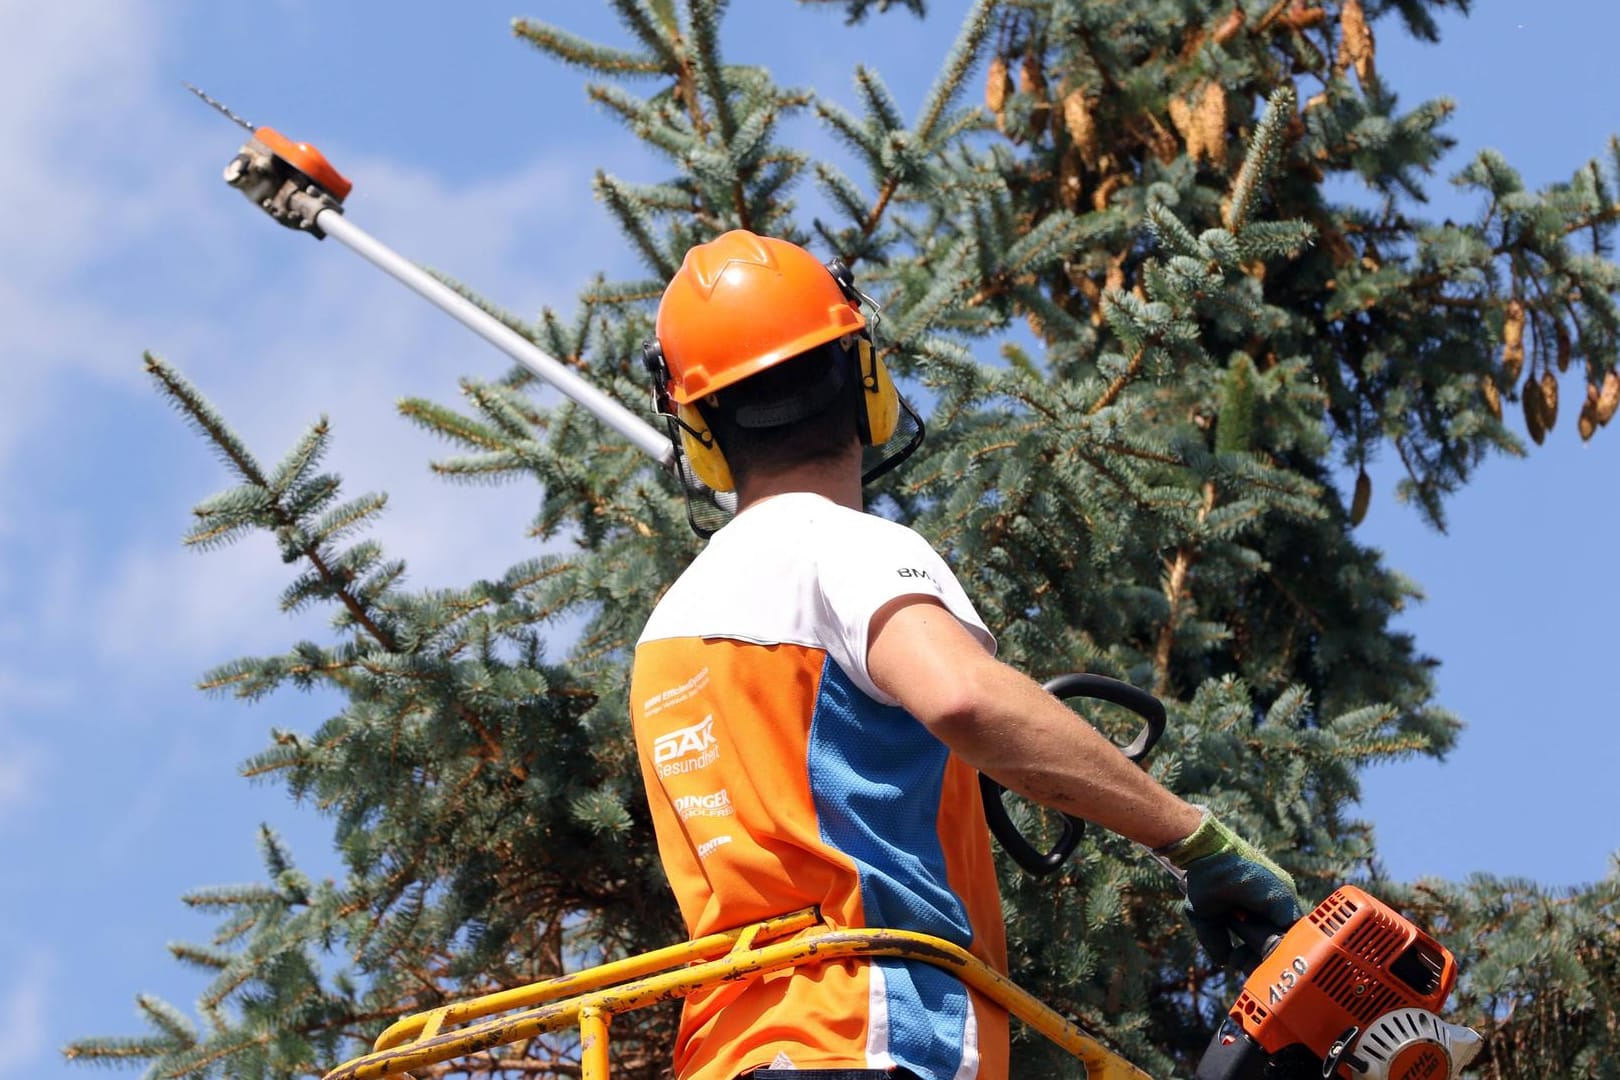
column 706, row 848
column 686, row 749
column 675, row 695
column 714, row 804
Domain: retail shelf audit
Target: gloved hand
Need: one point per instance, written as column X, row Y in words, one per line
column 1224, row 876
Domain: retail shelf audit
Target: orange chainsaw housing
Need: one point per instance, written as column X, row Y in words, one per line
column 307, row 160
column 1350, row 961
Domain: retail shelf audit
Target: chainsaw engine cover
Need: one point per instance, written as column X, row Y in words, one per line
column 1349, row 978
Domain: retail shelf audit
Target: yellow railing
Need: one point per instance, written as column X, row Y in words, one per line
column 591, row 997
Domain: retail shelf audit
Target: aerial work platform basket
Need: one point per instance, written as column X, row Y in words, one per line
column 588, row 999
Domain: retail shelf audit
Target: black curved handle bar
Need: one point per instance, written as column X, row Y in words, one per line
column 1079, row 684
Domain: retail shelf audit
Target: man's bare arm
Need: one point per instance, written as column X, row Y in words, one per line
column 1002, row 723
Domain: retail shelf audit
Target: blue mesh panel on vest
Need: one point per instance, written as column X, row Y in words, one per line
column 876, row 775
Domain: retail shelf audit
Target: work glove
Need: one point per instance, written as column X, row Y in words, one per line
column 1228, row 880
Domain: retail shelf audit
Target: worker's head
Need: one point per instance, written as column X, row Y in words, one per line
column 764, row 359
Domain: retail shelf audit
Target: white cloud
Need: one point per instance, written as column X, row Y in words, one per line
column 273, row 327
column 19, row 772
column 24, row 758
column 23, row 1011
column 359, row 343
column 163, row 605
column 89, row 183
column 66, row 69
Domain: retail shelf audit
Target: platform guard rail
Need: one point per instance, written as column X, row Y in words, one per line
column 588, row 999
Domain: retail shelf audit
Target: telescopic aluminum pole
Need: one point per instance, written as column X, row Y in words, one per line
column 548, row 368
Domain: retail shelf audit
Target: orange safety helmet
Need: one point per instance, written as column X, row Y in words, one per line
column 740, row 304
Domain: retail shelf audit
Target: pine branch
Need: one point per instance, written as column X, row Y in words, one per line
column 1117, row 385
column 704, row 16
column 622, row 204
column 644, row 25
column 304, row 456
column 964, row 54
column 1264, row 151
column 575, row 50
column 167, row 1019
column 442, row 420
column 202, row 415
column 884, row 114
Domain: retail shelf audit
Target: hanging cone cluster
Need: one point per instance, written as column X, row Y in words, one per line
column 1608, row 397
column 1032, row 81
column 1549, row 398
column 1588, row 423
column 1081, row 126
column 1071, row 179
column 997, row 88
column 1355, row 42
column 1181, row 119
column 1493, row 396
column 1513, row 341
column 1200, row 119
column 1361, row 499
column 1535, row 410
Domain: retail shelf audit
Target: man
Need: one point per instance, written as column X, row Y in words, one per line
column 813, row 696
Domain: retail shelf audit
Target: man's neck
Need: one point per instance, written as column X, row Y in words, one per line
column 838, row 480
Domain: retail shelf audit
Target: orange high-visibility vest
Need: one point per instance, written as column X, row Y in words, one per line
column 781, row 778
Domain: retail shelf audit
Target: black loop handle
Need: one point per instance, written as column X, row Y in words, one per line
column 1078, row 684
column 1123, row 694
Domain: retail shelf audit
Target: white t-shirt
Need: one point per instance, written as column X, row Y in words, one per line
column 801, row 569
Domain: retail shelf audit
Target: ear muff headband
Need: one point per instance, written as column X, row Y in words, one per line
column 880, row 401
column 687, row 427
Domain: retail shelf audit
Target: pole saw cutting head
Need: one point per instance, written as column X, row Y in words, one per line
column 291, row 181
column 1353, row 990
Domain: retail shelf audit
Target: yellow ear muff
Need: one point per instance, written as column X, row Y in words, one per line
column 880, row 399
column 697, row 442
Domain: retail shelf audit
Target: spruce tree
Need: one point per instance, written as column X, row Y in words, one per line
column 1146, row 336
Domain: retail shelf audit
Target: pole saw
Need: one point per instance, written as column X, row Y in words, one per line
column 1353, row 990
column 295, row 184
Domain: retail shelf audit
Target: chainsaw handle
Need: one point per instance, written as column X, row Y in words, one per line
column 1259, row 936
column 1077, row 684
column 1123, row 694
column 1013, row 842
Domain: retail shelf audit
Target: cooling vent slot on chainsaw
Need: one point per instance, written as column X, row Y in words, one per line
column 1332, row 914
column 1374, row 939
column 1420, row 967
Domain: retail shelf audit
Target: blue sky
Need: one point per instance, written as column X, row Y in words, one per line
column 473, row 154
